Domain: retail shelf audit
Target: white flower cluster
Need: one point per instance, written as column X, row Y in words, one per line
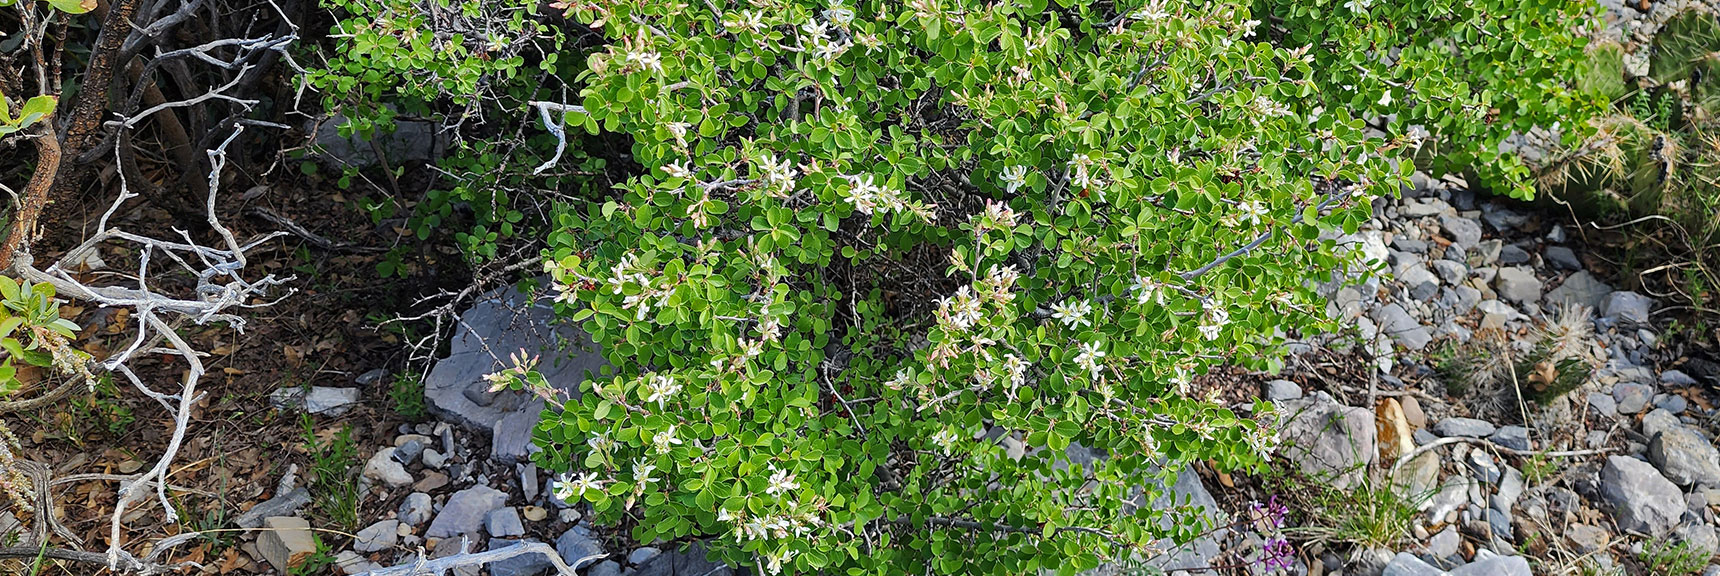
column 745, row 20
column 961, row 311
column 1073, row 314
column 1091, row 358
column 569, row 488
column 628, row 271
column 779, row 176
column 1084, row 173
column 998, row 216
column 870, row 198
column 661, row 389
column 1269, row 107
column 1014, row 177
column 793, row 523
column 1214, row 320
column 1148, row 290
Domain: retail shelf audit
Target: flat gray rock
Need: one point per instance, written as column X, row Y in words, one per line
column 1469, row 427
column 1641, row 498
column 1495, row 566
column 1327, row 439
column 1396, row 322
column 377, row 537
column 415, row 509
column 522, row 565
column 1685, row 457
column 281, row 505
column 1463, row 231
column 489, row 332
column 1627, row 306
column 1632, row 397
column 1562, row 258
column 1581, row 289
column 1518, row 284
column 1406, row 564
column 319, row 400
column 465, row 512
column 577, row 544
column 503, row 523
column 680, row 562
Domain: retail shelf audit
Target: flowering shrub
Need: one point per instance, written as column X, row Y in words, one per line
column 890, row 269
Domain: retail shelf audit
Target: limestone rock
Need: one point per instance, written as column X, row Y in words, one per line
column 1685, row 457
column 1326, row 438
column 286, row 542
column 1640, row 497
column 465, row 512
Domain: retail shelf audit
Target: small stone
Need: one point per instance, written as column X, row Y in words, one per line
column 432, row 480
column 1587, row 539
column 281, row 505
column 465, row 512
column 1632, row 397
column 1677, row 378
column 1325, row 438
column 576, row 544
column 522, row 565
column 1450, row 272
column 384, row 468
column 286, row 542
column 408, row 452
column 1562, row 258
column 1484, row 467
column 1512, row 255
column 528, row 481
column 1406, row 564
column 1283, row 390
column 1603, row 404
column 1671, row 403
column 1494, row 566
column 1627, row 306
column 415, row 510
column 1463, row 231
column 1701, row 538
column 1513, row 437
column 1518, row 284
column 1412, row 412
column 433, row 459
column 640, row 555
column 605, row 568
column 1468, row 427
column 1401, row 327
column 1685, row 457
column 1444, row 544
column 350, row 562
column 1581, row 289
column 377, row 537
column 1641, row 498
column 534, row 513
column 371, row 377
column 504, row 522
column 1510, row 489
column 321, row 400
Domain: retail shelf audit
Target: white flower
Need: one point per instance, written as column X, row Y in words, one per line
column 1154, row 10
column 1270, row 107
column 1148, row 291
column 600, row 443
column 679, row 131
column 677, row 170
column 1358, row 6
column 779, row 175
column 1073, row 315
column 839, row 13
column 1014, row 177
column 1089, row 358
column 1017, row 370
column 564, row 294
column 1215, row 320
column 750, row 20
column 724, row 515
column 1253, row 211
column 1248, row 28
column 1386, row 98
column 962, row 309
column 1181, row 379
column 781, row 482
column 570, row 490
column 945, row 438
column 666, row 439
column 869, row 198
column 899, row 381
column 661, row 389
column 648, row 60
column 773, row 561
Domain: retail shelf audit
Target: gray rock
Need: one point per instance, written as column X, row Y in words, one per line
column 1581, row 289
column 1562, row 258
column 1641, row 498
column 1700, row 537
column 465, row 512
column 408, row 452
column 511, row 437
column 1501, row 218
column 1422, row 283
column 1676, row 378
column 1467, row 299
column 1658, row 421
column 1513, row 437
column 493, row 325
column 1671, row 403
column 434, row 460
column 1510, row 489
column 504, row 522
column 320, row 400
column 1463, row 231
column 1283, row 390
column 522, row 565
column 1325, row 438
column 1396, row 322
column 605, row 568
column 1406, row 564
column 577, row 544
column 1632, row 397
column 683, row 562
column 1685, row 457
column 384, row 468
column 1187, row 496
column 371, row 377
column 1485, row 254
column 1419, row 207
column 1484, row 467
column 1449, row 498
column 1495, row 566
column 281, row 505
column 1468, row 427
column 1518, row 284
column 350, row 562
column 415, row 510
column 411, row 141
column 1626, row 306
column 286, row 543
column 1444, row 544
column 1512, row 255
column 1587, row 539
column 1450, row 272
column 1603, row 404
column 377, row 537
column 642, row 554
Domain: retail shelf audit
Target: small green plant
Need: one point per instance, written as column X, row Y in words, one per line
column 318, row 562
column 334, row 461
column 1538, row 468
column 103, row 406
column 1665, row 558
column 407, row 395
column 1368, row 515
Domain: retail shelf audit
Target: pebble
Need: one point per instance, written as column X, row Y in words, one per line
column 384, row 468
column 1632, row 397
column 534, row 513
column 408, row 452
column 465, row 512
column 1586, row 538
column 1518, row 284
column 377, row 537
column 1511, row 255
column 433, row 459
column 416, row 509
column 1282, row 390
column 1671, row 403
column 1626, row 306
column 1562, row 258
column 1685, row 457
column 504, row 522
column 640, row 555
column 1412, row 412
column 576, row 544
column 1463, row 231
column 1469, row 427
column 1604, row 404
column 1676, row 378
column 1513, row 437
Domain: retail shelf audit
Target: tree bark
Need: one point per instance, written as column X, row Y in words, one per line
column 35, row 196
column 84, row 123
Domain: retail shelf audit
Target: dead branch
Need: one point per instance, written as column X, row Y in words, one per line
column 441, row 565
